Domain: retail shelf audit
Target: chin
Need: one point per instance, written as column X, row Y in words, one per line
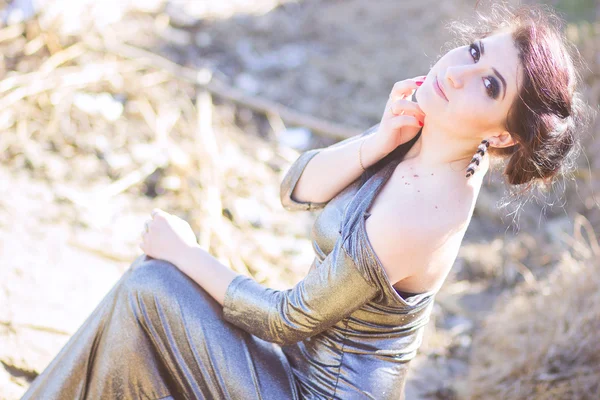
column 421, row 97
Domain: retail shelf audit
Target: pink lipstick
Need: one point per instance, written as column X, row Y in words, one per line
column 438, row 89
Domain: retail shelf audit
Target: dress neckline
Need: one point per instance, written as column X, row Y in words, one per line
column 356, row 215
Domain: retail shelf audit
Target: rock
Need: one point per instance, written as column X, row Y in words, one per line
column 291, row 56
column 297, row 138
column 457, row 324
column 171, row 182
column 287, row 57
column 99, row 104
column 247, row 83
column 248, row 209
column 176, row 36
column 203, row 39
column 18, row 11
column 179, row 15
column 109, row 108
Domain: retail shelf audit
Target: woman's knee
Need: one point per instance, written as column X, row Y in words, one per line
column 151, row 276
column 154, row 282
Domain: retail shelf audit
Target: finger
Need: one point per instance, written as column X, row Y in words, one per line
column 155, row 211
column 389, row 107
column 390, row 111
column 404, row 88
column 404, row 120
column 405, row 106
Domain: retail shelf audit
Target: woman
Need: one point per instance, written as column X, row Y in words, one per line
column 179, row 324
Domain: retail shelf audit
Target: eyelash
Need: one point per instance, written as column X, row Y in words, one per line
column 494, row 89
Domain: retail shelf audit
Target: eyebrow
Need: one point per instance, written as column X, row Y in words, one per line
column 495, row 70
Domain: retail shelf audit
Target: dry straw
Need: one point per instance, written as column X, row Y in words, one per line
column 543, row 340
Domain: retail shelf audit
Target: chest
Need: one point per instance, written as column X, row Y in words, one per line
column 413, row 198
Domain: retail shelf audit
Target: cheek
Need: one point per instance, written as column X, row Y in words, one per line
column 479, row 117
column 474, row 116
column 469, row 110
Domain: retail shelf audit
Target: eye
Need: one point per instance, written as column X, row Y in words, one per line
column 474, row 51
column 493, row 88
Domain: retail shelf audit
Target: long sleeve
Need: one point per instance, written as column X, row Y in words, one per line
column 295, row 171
column 330, row 292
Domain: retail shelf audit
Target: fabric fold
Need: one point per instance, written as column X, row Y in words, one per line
column 331, row 291
column 291, row 178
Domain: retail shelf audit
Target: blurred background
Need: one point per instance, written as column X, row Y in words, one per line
column 109, row 109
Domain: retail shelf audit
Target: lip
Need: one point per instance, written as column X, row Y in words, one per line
column 439, row 90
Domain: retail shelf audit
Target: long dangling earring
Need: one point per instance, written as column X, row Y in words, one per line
column 481, row 149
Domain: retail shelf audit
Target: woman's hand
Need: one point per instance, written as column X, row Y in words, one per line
column 167, row 236
column 402, row 118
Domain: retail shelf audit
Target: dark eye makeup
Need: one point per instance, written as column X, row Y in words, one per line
column 493, row 88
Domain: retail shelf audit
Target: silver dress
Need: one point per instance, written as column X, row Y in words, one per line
column 342, row 332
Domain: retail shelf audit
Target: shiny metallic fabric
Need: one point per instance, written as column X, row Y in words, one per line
column 342, row 332
column 159, row 335
column 345, row 330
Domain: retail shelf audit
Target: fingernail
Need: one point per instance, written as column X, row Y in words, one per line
column 419, row 83
column 420, row 123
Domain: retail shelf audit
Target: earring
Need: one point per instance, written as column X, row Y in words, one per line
column 481, row 149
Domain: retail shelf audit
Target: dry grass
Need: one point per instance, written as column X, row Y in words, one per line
column 211, row 165
column 95, row 118
column 542, row 341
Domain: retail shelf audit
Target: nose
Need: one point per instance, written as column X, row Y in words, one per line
column 457, row 75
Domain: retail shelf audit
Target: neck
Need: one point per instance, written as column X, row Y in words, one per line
column 435, row 150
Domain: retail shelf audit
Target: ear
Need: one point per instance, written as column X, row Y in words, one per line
column 502, row 140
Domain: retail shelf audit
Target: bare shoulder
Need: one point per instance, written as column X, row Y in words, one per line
column 419, row 232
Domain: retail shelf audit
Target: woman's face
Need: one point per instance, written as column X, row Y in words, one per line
column 480, row 82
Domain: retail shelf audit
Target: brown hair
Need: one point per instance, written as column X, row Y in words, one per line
column 548, row 114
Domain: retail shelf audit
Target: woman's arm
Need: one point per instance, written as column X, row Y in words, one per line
column 320, row 174
column 330, row 291
column 206, row 271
